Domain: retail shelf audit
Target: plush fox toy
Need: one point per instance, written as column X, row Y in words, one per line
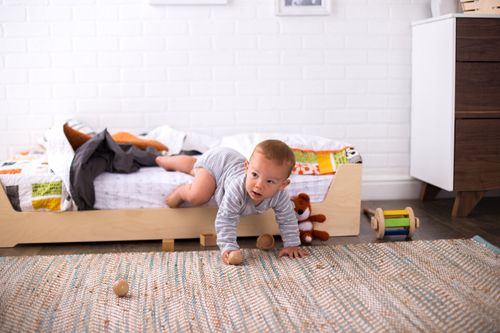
column 302, row 205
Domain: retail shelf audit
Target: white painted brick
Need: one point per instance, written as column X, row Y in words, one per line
column 327, row 130
column 12, row 45
column 299, row 26
column 75, row 90
column 390, row 56
column 245, row 11
column 13, row 107
column 258, row 57
column 141, row 11
column 51, row 75
column 297, row 116
column 52, row 106
column 226, row 42
column 401, row 115
column 211, row 58
column 302, row 57
column 232, row 103
column 366, row 72
column 324, row 102
column 17, row 138
column 345, row 27
column 97, row 75
column 399, row 130
column 259, row 27
column 323, row 42
column 175, row 58
column 344, row 87
column 398, row 101
column 92, row 12
column 25, row 29
column 346, row 57
column 176, row 120
column 128, row 28
column 212, row 118
column 10, row 76
column 233, row 73
column 178, row 104
column 256, row 118
column 31, row 91
column 411, row 12
column 248, row 88
column 28, row 122
column 210, row 27
column 171, row 89
column 49, row 13
column 280, row 73
column 95, row 44
column 303, row 87
column 12, row 14
column 287, row 102
column 122, row 90
column 75, row 59
column 187, row 42
column 189, row 73
column 98, row 106
column 367, row 11
column 166, row 27
column 324, row 72
column 388, row 86
column 398, row 160
column 280, row 42
column 50, row 44
column 196, row 13
column 143, row 75
column 366, row 42
column 367, row 101
column 355, row 131
column 212, row 88
column 123, row 122
column 399, row 72
column 142, row 43
column 27, row 60
column 120, row 59
column 139, row 105
column 72, row 28
column 3, row 92
column 400, row 145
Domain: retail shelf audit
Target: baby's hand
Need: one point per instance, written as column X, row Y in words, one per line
column 292, row 252
column 234, row 259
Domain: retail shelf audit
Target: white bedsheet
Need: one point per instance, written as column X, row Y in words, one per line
column 148, row 188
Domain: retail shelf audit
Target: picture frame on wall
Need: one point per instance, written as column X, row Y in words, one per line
column 302, row 7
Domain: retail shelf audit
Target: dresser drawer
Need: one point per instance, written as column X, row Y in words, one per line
column 477, row 154
column 478, row 39
column 477, row 88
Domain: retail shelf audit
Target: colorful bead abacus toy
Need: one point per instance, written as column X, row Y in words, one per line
column 393, row 222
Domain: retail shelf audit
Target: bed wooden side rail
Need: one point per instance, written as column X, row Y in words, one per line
column 341, row 206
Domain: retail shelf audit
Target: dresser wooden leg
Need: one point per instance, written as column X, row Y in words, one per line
column 428, row 191
column 465, row 201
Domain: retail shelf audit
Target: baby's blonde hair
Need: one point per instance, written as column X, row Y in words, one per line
column 277, row 151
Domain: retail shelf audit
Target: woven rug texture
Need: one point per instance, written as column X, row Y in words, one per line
column 418, row 286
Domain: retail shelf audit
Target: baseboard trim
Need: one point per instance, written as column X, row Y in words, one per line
column 390, row 189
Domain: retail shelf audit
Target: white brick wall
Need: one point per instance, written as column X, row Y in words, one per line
column 127, row 65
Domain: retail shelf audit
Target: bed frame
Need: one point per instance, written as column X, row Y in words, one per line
column 341, row 206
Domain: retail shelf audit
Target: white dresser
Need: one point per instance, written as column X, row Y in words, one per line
column 455, row 116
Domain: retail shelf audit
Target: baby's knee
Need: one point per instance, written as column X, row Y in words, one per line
column 197, row 198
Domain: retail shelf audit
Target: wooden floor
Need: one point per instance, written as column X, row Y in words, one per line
column 435, row 223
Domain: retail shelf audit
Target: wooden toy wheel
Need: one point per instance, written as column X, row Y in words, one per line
column 379, row 216
column 413, row 222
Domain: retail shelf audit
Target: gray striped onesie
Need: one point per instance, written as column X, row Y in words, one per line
column 227, row 166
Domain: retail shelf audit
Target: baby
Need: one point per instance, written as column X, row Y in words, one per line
column 240, row 188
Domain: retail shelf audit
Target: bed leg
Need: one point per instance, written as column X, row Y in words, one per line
column 208, row 240
column 167, row 245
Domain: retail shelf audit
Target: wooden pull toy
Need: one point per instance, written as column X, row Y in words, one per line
column 393, row 222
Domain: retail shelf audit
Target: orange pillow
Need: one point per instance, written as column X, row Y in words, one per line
column 75, row 138
column 127, row 138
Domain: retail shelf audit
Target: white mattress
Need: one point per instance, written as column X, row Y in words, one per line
column 148, row 188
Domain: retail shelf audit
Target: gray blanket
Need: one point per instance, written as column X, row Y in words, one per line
column 102, row 154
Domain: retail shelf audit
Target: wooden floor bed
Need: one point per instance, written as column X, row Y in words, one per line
column 341, row 206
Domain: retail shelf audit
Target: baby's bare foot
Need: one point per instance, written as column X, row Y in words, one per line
column 162, row 161
column 174, row 200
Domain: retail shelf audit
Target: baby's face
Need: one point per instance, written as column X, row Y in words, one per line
column 264, row 177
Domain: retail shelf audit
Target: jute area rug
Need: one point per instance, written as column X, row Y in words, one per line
column 429, row 286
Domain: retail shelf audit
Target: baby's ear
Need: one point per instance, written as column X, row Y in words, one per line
column 285, row 183
column 246, row 165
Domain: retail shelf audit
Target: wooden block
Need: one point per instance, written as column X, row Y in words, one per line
column 167, row 245
column 208, row 240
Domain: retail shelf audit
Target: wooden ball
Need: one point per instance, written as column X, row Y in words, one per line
column 120, row 288
column 265, row 242
column 235, row 258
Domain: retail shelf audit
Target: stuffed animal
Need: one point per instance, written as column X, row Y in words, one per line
column 302, row 204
